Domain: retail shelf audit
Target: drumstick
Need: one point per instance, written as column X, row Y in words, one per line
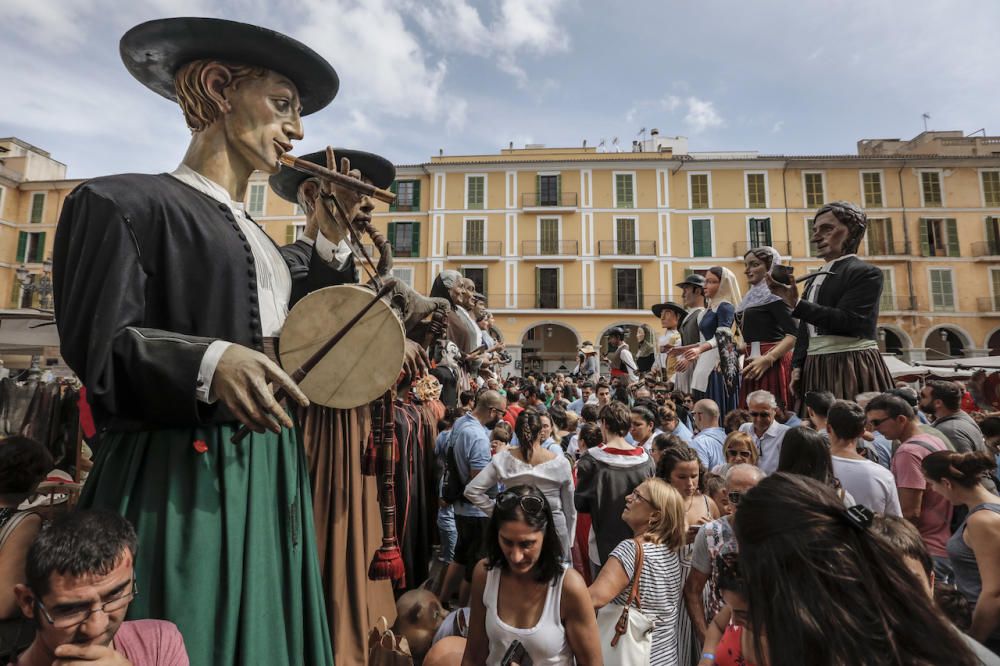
column 340, row 179
column 300, row 373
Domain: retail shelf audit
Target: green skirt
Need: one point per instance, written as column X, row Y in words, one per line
column 226, row 549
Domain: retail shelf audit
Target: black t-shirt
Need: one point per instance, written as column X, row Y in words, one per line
column 767, row 323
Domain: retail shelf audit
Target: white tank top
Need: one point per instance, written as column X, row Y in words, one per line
column 545, row 642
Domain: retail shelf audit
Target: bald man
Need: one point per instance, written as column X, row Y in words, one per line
column 711, row 437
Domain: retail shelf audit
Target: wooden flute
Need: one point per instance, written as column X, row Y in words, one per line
column 340, row 179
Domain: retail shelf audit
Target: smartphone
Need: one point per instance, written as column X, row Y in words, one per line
column 516, row 654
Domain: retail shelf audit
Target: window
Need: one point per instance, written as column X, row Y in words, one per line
column 756, row 190
column 405, row 238
column 939, row 238
column 930, row 189
column 404, row 275
column 624, row 190
column 995, row 283
column 547, row 288
column 811, row 250
column 3, row 198
column 293, row 232
column 698, row 184
column 942, row 290
column 31, row 247
column 813, row 186
column 872, row 183
column 627, row 289
column 625, row 236
column 37, row 207
column 548, row 190
column 407, row 195
column 879, row 236
column 548, row 241
column 992, row 236
column 255, row 200
column 760, row 231
column 475, row 192
column 478, row 277
column 991, row 187
column 475, row 237
column 887, row 302
column 701, row 238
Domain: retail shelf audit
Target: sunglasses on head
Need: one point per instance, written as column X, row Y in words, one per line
column 532, row 505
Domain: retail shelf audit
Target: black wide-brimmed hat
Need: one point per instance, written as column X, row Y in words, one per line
column 155, row 50
column 375, row 168
column 670, row 305
column 693, row 280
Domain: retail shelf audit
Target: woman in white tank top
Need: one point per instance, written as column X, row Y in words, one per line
column 523, row 592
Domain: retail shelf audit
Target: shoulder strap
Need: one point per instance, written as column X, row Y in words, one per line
column 12, row 524
column 924, row 445
column 633, row 595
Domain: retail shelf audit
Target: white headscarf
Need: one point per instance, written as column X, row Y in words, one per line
column 760, row 293
column 729, row 289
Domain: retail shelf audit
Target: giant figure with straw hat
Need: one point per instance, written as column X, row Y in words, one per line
column 167, row 299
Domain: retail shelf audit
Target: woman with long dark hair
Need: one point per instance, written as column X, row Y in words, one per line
column 524, row 592
column 530, row 464
column 646, row 352
column 804, row 451
column 768, row 330
column 825, row 590
column 974, row 548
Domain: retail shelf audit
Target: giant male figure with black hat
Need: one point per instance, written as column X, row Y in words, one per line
column 167, row 295
column 693, row 293
column 671, row 316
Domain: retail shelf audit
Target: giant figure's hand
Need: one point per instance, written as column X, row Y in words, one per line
column 789, row 293
column 240, row 382
column 793, row 385
column 415, row 361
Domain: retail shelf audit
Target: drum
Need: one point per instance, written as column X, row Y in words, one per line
column 363, row 365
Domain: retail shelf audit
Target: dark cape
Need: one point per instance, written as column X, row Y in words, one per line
column 147, row 272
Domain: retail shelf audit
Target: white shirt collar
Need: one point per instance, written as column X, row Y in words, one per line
column 206, row 186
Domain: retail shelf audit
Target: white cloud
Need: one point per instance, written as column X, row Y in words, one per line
column 777, row 127
column 670, row 102
column 701, row 115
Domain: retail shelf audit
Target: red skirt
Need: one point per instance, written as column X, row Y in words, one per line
column 775, row 379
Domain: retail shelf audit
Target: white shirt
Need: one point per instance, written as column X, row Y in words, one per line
column 769, row 444
column 274, row 281
column 869, row 483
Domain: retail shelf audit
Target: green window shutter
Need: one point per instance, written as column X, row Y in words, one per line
column 416, row 239
column 416, row 195
column 37, row 207
column 888, row 236
column 925, row 246
column 394, row 190
column 22, row 243
column 952, row 226
column 614, row 288
column 40, row 249
column 559, row 201
column 391, row 233
column 638, row 289
column 538, row 190
column 701, row 238
column 486, row 291
column 992, row 235
column 289, row 234
column 538, row 287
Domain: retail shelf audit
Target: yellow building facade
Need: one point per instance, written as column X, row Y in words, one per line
column 567, row 242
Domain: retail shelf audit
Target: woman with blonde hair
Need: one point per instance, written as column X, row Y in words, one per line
column 710, row 380
column 738, row 449
column 655, row 513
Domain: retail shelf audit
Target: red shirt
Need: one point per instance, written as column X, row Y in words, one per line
column 513, row 411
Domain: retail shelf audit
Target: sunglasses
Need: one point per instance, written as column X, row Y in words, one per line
column 734, row 497
column 738, row 454
column 532, row 505
column 760, row 415
column 877, row 422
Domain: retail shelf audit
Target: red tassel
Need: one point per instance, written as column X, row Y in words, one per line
column 388, row 564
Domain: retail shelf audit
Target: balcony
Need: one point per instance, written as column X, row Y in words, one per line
column 554, row 301
column 936, row 251
column 988, row 303
column 784, row 248
column 550, row 250
column 480, row 249
column 895, row 249
column 982, row 250
column 631, row 249
column 546, row 202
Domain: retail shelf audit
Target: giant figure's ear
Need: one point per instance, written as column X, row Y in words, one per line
column 215, row 78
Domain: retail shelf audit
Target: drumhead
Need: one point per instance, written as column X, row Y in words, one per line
column 363, row 365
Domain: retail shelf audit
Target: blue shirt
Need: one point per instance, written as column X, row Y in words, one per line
column 471, row 441
column 793, row 421
column 684, row 433
column 708, row 445
column 883, row 449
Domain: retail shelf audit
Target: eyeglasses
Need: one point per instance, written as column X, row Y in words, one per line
column 498, row 410
column 76, row 616
column 635, row 494
column 877, row 422
column 530, row 504
column 735, row 497
column 760, row 415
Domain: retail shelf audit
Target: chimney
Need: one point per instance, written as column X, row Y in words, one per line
column 654, row 132
column 584, row 143
column 440, row 152
column 511, row 145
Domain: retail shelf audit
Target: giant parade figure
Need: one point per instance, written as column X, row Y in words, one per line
column 168, row 297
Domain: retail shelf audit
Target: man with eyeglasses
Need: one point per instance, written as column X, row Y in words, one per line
column 80, row 582
column 766, row 432
column 714, row 539
column 710, row 438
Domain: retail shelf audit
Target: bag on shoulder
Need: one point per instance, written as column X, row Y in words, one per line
column 452, row 488
column 626, row 634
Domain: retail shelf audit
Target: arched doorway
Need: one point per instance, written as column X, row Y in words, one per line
column 993, row 343
column 945, row 342
column 549, row 347
column 889, row 342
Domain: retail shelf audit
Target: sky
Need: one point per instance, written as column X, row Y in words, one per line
column 469, row 77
